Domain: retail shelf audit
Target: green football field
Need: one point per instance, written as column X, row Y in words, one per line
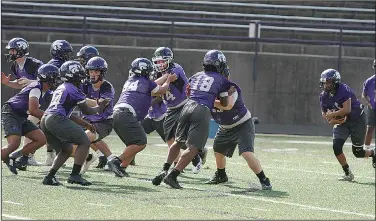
column 303, row 171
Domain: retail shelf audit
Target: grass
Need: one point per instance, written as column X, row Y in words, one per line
column 303, row 173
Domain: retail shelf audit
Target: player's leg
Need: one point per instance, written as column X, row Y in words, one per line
column 245, row 133
column 358, row 131
column 223, row 146
column 31, row 158
column 13, row 131
column 69, row 132
column 133, row 136
column 371, row 122
column 198, row 119
column 340, row 134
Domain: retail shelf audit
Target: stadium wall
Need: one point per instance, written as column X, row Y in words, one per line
column 283, row 93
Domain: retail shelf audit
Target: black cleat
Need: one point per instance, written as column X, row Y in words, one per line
column 265, row 184
column 114, row 165
column 158, row 179
column 172, row 182
column 51, row 181
column 102, row 162
column 22, row 163
column 216, row 179
column 11, row 164
column 374, row 160
column 77, row 179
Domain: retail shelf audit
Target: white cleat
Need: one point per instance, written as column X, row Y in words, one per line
column 366, row 147
column 87, row 164
column 50, row 158
column 196, row 169
column 31, row 161
column 349, row 177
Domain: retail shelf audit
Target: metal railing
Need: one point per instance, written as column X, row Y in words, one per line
column 173, row 11
column 258, row 5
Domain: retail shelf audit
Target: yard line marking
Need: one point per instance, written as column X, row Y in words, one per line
column 97, row 204
column 15, row 203
column 15, row 217
column 258, row 198
column 270, row 167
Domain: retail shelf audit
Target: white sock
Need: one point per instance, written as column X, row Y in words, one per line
column 99, row 153
column 111, row 157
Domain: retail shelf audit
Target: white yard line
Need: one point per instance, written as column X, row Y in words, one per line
column 98, row 204
column 297, row 205
column 269, row 167
column 15, row 217
column 14, row 203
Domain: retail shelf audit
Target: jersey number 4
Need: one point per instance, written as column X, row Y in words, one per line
column 130, row 86
column 169, row 96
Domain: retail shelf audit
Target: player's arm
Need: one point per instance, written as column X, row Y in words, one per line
column 345, row 110
column 6, row 81
column 157, row 100
column 161, row 80
column 160, row 90
column 82, row 122
column 86, row 109
column 91, row 102
column 366, row 99
column 231, row 101
column 334, row 121
column 33, row 108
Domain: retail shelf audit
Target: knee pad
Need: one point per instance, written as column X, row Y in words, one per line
column 338, row 146
column 358, row 151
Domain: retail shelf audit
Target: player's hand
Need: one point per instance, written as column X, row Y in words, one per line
column 90, row 127
column 5, row 79
column 231, row 90
column 103, row 103
column 172, row 77
column 337, row 121
column 330, row 115
column 188, row 90
column 24, row 81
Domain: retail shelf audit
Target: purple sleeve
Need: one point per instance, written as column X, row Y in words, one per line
column 323, row 107
column 77, row 94
column 344, row 94
column 226, row 84
column 365, row 87
column 152, row 85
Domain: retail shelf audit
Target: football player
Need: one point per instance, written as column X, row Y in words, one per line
column 15, row 116
column 236, row 128
column 368, row 97
column 62, row 129
column 85, row 53
column 342, row 109
column 175, row 97
column 129, row 111
column 98, row 88
column 194, row 119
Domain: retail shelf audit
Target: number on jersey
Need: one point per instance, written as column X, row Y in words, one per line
column 56, row 99
column 169, row 96
column 202, row 83
column 130, row 86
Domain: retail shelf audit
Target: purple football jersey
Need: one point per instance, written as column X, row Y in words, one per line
column 56, row 62
column 64, row 99
column 29, row 70
column 137, row 93
column 369, row 90
column 334, row 102
column 176, row 92
column 105, row 91
column 237, row 112
column 206, row 86
column 157, row 110
column 20, row 102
